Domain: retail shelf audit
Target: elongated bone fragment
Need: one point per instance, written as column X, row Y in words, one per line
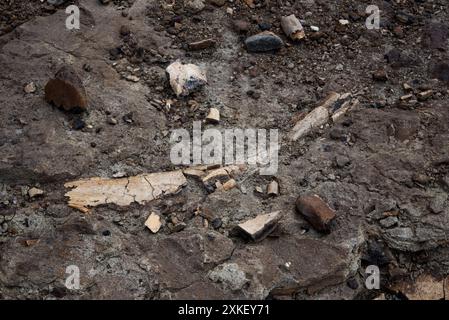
column 292, row 27
column 124, row 191
column 317, row 117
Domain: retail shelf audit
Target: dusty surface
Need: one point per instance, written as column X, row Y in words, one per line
column 383, row 167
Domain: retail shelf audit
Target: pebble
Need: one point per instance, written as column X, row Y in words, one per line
column 241, row 26
column 264, row 41
column 112, row 121
column 216, row 223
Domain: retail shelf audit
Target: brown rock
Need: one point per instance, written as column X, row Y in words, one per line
column 241, row 26
column 66, row 91
column 316, row 212
column 380, row 75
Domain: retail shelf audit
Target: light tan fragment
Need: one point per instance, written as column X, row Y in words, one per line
column 227, row 171
column 292, row 27
column 123, row 191
column 153, row 222
column 261, row 226
column 230, row 184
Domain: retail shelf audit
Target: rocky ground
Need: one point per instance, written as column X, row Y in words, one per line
column 383, row 167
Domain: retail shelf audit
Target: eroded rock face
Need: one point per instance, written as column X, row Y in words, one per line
column 66, row 90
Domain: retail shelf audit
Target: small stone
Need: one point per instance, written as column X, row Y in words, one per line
column 185, row 78
column 78, row 124
column 178, row 227
column 35, row 192
column 341, row 161
column 216, row 223
column 264, row 41
column 352, row 283
column 241, row 26
column 124, row 31
column 261, row 226
column 213, row 116
column 264, row 26
column 128, row 118
column 112, row 121
column 343, row 22
column 421, row 179
column 314, row 28
column 30, row 88
column 66, row 91
column 380, row 75
column 316, row 212
column 389, row 222
column 153, row 222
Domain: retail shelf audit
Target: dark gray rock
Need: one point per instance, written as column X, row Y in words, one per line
column 264, row 41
